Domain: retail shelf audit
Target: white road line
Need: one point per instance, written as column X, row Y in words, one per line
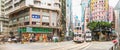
column 67, row 47
column 80, row 47
column 86, row 47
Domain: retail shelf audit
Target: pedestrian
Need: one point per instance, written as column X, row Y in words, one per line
column 3, row 40
column 48, row 38
column 41, row 38
column 30, row 39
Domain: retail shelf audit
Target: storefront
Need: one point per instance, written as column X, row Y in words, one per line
column 37, row 33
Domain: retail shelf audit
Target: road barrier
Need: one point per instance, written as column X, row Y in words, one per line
column 115, row 47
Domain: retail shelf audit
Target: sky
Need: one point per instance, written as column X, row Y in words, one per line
column 77, row 8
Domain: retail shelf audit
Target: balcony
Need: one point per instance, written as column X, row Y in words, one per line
column 5, row 24
column 8, row 6
column 7, row 1
column 21, row 6
column 16, row 1
column 47, row 7
column 3, row 19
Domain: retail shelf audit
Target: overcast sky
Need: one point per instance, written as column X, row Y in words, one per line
column 77, row 8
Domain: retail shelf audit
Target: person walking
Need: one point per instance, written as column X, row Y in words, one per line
column 30, row 39
column 41, row 38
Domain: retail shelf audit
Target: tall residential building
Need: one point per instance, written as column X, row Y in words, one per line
column 84, row 4
column 3, row 19
column 110, row 16
column 117, row 17
column 68, row 16
column 99, row 10
column 87, row 18
column 38, row 17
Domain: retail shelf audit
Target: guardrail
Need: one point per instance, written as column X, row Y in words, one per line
column 115, row 47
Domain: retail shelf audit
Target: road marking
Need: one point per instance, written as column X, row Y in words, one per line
column 79, row 46
column 86, row 47
column 62, row 46
column 67, row 47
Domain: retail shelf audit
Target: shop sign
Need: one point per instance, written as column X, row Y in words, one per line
column 35, row 16
column 29, row 29
column 42, row 30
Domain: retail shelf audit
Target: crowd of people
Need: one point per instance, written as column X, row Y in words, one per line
column 15, row 39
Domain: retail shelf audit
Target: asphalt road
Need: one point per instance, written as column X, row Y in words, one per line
column 69, row 45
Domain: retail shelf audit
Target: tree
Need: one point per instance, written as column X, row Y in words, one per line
column 96, row 27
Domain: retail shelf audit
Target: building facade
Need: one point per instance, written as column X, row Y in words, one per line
column 84, row 4
column 68, row 16
column 99, row 10
column 3, row 19
column 111, row 11
column 87, row 18
column 117, row 17
column 33, row 17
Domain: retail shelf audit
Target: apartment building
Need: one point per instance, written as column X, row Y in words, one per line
column 68, row 16
column 87, row 18
column 38, row 17
column 3, row 19
column 99, row 10
column 84, row 5
column 110, row 16
column 117, row 17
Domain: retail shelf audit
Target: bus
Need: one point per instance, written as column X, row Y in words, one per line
column 78, row 35
column 88, row 36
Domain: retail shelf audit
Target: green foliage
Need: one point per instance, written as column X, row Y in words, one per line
column 92, row 25
column 96, row 25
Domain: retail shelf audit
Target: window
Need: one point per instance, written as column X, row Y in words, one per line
column 53, row 24
column 15, row 20
column 37, row 2
column 33, row 23
column 21, row 19
column 45, row 24
column 49, row 4
column 56, row 5
column 45, row 18
column 26, row 17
